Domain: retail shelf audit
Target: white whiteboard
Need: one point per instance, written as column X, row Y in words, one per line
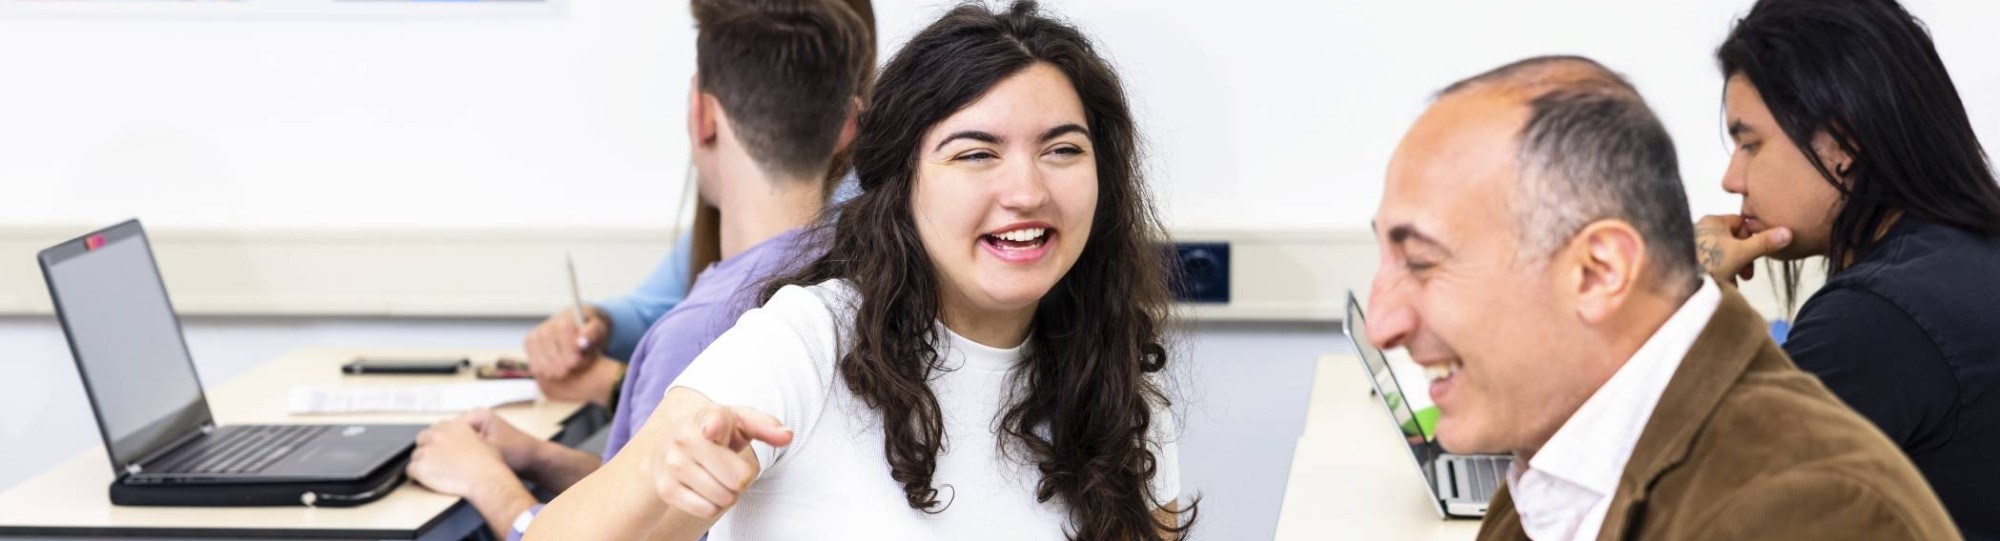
column 1260, row 114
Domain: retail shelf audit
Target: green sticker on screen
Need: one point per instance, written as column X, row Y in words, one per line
column 1427, row 420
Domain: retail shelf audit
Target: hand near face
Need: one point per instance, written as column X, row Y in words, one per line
column 702, row 466
column 452, row 458
column 1726, row 249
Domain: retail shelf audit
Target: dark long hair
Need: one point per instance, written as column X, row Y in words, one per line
column 1089, row 383
column 1865, row 73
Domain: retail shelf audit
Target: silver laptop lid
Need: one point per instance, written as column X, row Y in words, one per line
column 1402, row 416
column 127, row 342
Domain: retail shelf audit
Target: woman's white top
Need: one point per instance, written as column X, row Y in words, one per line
column 833, row 481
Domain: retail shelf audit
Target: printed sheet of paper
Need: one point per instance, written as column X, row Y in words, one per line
column 445, row 398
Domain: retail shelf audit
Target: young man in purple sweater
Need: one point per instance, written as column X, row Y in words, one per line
column 774, row 99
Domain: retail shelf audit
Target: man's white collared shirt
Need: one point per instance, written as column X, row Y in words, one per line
column 1565, row 491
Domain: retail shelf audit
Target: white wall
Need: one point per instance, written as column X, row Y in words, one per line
column 1263, row 114
column 572, row 118
column 1284, row 114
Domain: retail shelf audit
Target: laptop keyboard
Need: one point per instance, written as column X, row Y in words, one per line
column 247, row 449
column 1486, row 475
column 1476, row 477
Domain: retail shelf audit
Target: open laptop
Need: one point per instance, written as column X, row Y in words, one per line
column 164, row 444
column 1460, row 485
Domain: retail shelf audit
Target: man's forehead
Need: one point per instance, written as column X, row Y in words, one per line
column 1474, row 127
column 1463, row 150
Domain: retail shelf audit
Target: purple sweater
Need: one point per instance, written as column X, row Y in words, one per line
column 720, row 296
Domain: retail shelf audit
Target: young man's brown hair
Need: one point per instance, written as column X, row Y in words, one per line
column 785, row 71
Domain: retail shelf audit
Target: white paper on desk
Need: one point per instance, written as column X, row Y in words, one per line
column 444, row 398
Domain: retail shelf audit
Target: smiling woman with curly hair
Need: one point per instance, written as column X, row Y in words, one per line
column 979, row 354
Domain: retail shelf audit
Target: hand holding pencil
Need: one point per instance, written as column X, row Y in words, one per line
column 561, row 346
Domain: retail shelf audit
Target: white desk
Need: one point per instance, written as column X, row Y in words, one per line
column 73, row 499
column 1351, row 478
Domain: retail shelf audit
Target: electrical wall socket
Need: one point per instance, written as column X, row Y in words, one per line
column 1204, row 272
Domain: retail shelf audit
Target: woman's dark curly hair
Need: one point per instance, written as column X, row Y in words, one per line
column 1085, row 410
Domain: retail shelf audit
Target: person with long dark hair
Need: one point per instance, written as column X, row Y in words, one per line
column 1852, row 143
column 979, row 354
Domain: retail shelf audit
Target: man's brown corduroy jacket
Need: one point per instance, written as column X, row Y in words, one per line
column 1744, row 445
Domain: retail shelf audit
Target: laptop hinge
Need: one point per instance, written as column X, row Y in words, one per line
column 135, row 468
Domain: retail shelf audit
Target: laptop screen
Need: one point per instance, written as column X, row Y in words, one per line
column 126, row 341
column 1384, row 379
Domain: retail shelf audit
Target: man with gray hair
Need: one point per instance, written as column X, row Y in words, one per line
column 1537, row 261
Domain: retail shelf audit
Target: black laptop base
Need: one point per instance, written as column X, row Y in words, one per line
column 312, row 494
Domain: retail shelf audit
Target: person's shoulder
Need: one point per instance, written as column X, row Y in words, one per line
column 1853, row 297
column 1858, row 318
column 817, row 312
column 1780, row 445
column 829, row 297
column 1787, row 420
column 1922, row 256
column 1767, row 405
column 1921, row 233
column 1829, row 500
column 1929, row 282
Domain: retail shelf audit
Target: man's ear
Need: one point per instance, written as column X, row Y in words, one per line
column 1608, row 257
column 849, row 127
column 701, row 114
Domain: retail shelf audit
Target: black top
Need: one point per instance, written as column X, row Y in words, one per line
column 1910, row 337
